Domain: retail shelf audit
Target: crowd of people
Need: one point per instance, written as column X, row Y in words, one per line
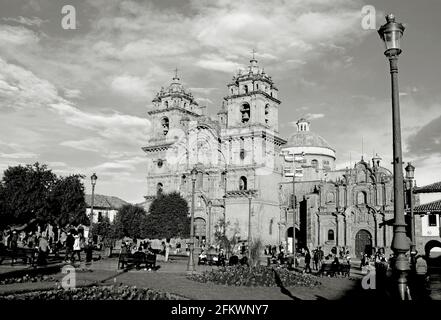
column 42, row 244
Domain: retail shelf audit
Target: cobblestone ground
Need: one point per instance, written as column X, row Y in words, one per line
column 171, row 277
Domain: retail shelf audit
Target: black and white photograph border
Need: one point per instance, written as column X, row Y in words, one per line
column 232, row 151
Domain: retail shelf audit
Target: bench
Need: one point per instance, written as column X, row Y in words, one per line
column 212, row 259
column 329, row 269
column 27, row 255
column 137, row 259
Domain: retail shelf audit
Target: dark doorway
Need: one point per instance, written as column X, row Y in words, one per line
column 363, row 243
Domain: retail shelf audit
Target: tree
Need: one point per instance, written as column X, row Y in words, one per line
column 105, row 229
column 221, row 236
column 129, row 221
column 25, row 191
column 67, row 202
column 34, row 194
column 168, row 217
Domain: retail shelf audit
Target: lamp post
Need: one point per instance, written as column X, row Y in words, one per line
column 93, row 179
column 190, row 265
column 209, row 223
column 250, row 197
column 391, row 33
column 410, row 174
column 294, row 207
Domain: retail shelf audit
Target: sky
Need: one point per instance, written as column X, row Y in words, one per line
column 77, row 99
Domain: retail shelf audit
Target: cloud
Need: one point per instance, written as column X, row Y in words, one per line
column 313, row 116
column 131, row 86
column 204, row 100
column 427, row 141
column 18, row 155
column 34, row 21
column 17, row 36
column 203, row 90
column 212, row 62
column 121, row 128
column 72, row 93
column 21, row 88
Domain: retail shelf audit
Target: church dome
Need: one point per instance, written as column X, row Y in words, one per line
column 306, row 138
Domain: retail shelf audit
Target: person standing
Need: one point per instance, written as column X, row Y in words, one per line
column 307, row 261
column 43, row 249
column 69, row 246
column 167, row 251
column 421, row 278
column 76, row 247
column 321, row 256
column 14, row 244
column 315, row 258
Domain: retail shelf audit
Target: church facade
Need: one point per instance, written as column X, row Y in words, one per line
column 243, row 171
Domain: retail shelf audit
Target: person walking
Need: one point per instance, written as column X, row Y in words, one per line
column 69, row 246
column 76, row 248
column 421, row 278
column 307, row 261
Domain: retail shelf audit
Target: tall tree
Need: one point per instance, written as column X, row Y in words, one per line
column 168, row 217
column 25, row 192
column 67, row 202
column 129, row 221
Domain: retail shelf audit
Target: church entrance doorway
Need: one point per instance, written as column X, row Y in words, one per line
column 289, row 235
column 363, row 243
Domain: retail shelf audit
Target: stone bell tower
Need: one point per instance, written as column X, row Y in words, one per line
column 252, row 100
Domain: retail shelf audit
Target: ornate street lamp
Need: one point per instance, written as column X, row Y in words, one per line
column 410, row 174
column 93, row 179
column 391, row 33
column 250, row 197
column 209, row 223
column 190, row 265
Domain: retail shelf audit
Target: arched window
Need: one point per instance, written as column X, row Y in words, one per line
column 223, row 179
column 165, row 125
column 314, row 163
column 330, row 197
column 361, row 197
column 245, row 88
column 159, row 188
column 267, row 113
column 245, row 112
column 330, row 235
column 257, row 86
column 242, row 154
column 243, row 183
column 166, row 104
column 271, row 226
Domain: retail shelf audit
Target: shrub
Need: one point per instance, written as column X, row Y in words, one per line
column 257, row 276
column 94, row 293
column 27, row 278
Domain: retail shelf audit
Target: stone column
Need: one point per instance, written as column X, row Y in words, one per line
column 375, row 230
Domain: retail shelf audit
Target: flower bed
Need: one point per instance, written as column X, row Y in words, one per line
column 258, row 276
column 27, row 278
column 94, row 293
